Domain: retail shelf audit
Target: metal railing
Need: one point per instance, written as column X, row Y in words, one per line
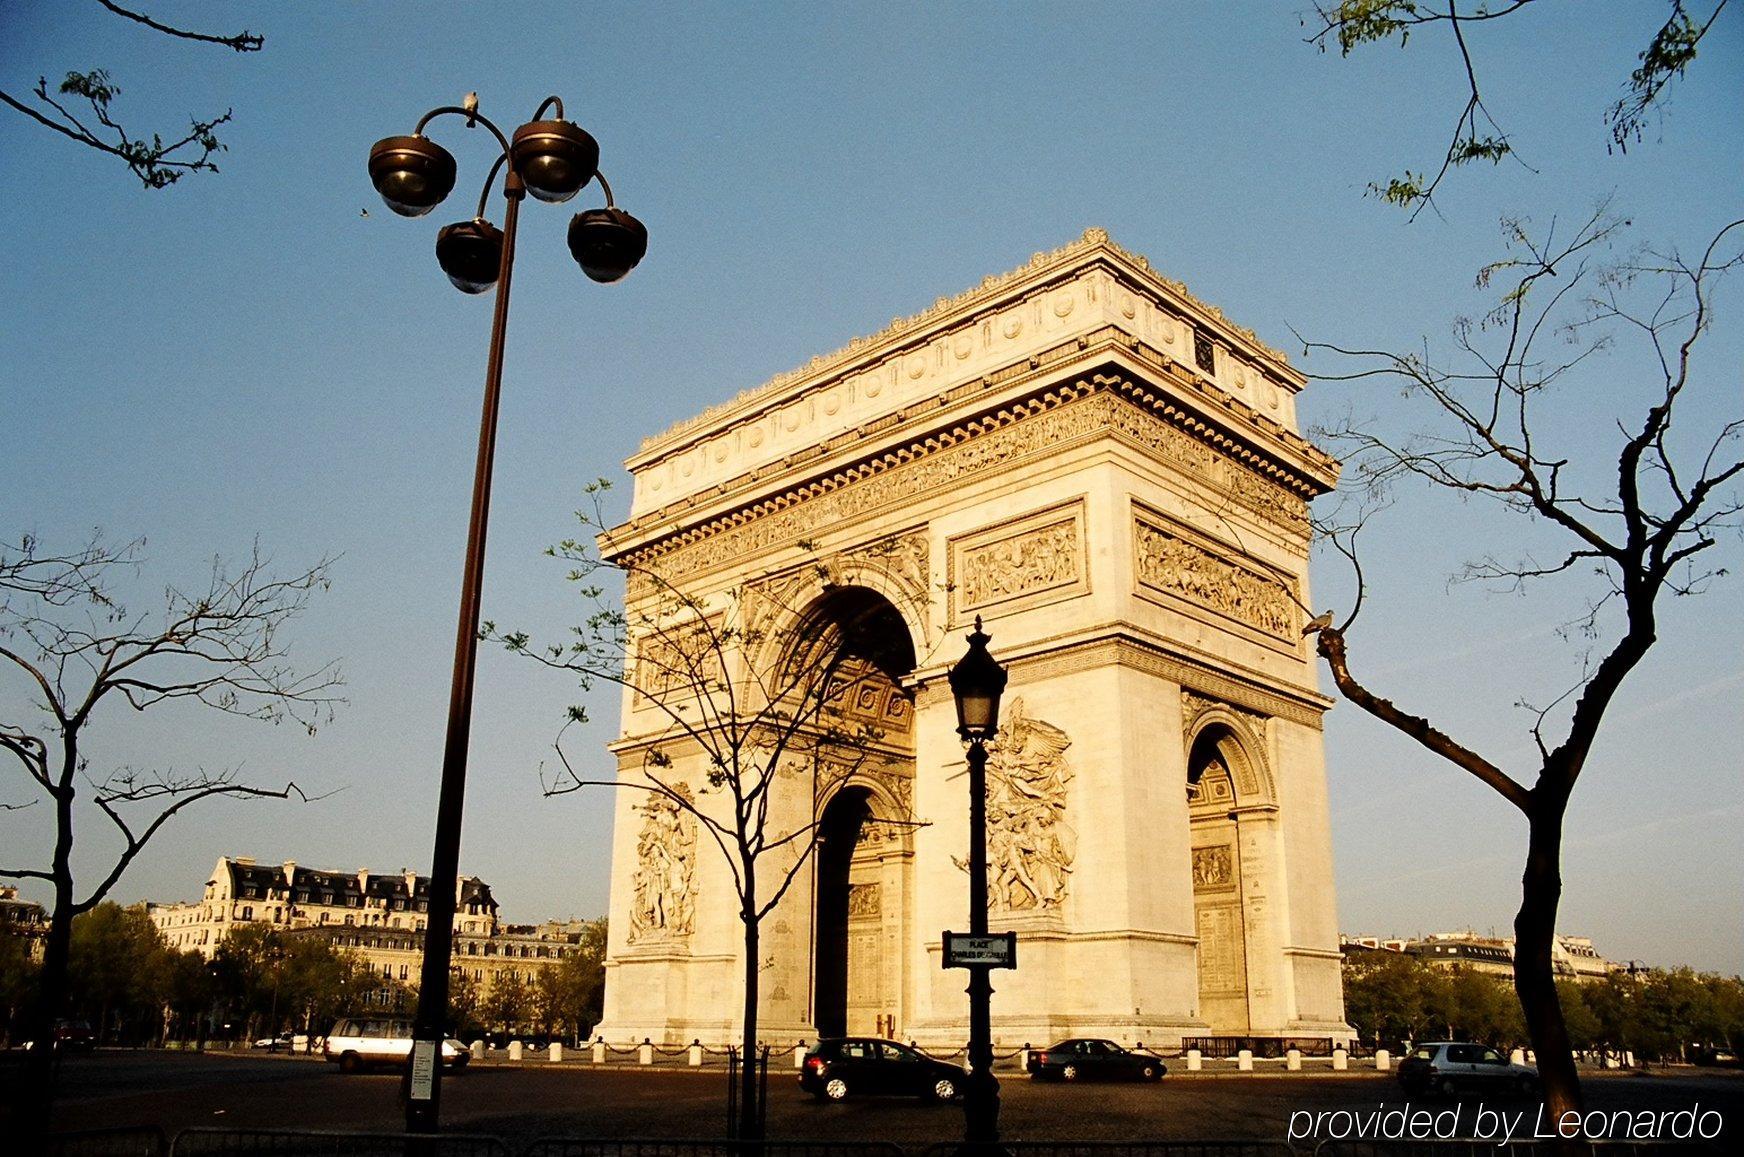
column 202, row 1142
column 592, row 1147
column 1489, row 1147
column 1266, row 1047
column 1208, row 1148
column 147, row 1141
column 131, row 1141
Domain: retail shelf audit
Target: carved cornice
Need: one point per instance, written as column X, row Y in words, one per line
column 1036, row 269
column 1099, row 404
column 1305, row 708
column 1197, row 405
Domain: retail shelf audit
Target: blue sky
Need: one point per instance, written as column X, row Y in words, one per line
column 248, row 354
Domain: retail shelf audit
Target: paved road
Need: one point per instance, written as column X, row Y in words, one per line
column 176, row 1091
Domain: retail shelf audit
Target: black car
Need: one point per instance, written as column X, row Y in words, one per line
column 834, row 1069
column 1090, row 1059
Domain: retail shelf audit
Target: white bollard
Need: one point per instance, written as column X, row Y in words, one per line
column 1340, row 1060
column 1293, row 1060
column 1628, row 1058
column 696, row 1054
column 478, row 1050
column 799, row 1055
column 645, row 1052
column 555, row 1052
column 1518, row 1056
column 1383, row 1061
column 1195, row 1060
column 514, row 1050
column 599, row 1052
column 1244, row 1061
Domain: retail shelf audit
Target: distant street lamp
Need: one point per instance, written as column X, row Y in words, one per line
column 553, row 160
column 976, row 683
column 277, row 955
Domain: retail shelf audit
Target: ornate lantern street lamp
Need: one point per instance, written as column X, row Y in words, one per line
column 553, row 160
column 976, row 683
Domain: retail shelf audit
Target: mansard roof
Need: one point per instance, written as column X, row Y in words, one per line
column 245, row 873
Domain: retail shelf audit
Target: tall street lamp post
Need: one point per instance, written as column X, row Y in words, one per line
column 553, row 160
column 976, row 683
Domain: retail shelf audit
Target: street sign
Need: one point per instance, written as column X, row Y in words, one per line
column 424, row 1069
column 994, row 950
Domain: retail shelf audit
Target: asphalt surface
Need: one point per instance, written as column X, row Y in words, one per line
column 175, row 1091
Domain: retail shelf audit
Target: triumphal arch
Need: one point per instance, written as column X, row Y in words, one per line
column 1108, row 473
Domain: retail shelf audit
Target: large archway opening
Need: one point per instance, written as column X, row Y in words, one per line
column 1219, row 915
column 864, row 853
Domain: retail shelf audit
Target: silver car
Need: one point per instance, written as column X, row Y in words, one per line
column 1448, row 1067
column 358, row 1041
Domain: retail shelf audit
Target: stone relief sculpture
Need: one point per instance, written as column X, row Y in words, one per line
column 1032, row 561
column 864, row 900
column 663, row 907
column 1030, row 847
column 1181, row 568
column 1211, row 867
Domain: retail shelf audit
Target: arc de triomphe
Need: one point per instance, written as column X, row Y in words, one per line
column 1109, row 473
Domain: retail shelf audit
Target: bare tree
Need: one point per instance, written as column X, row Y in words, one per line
column 746, row 687
column 157, row 163
column 74, row 653
column 1487, row 417
column 1476, row 134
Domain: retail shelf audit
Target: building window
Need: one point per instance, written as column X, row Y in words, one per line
column 350, row 919
column 248, row 912
column 1204, row 353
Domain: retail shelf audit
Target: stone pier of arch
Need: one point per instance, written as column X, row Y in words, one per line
column 1109, row 473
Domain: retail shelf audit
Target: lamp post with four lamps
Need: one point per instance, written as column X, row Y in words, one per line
column 553, row 160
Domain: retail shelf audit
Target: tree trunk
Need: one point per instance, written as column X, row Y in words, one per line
column 35, row 1106
column 1534, row 978
column 750, row 1115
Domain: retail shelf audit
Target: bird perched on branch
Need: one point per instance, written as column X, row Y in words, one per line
column 1317, row 624
column 470, row 104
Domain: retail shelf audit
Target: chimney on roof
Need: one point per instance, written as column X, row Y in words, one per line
column 363, row 880
column 290, row 873
column 245, row 861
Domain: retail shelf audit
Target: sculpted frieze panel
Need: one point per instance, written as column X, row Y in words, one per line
column 1175, row 565
column 663, row 907
column 1213, row 867
column 1044, row 423
column 864, row 900
column 1036, row 558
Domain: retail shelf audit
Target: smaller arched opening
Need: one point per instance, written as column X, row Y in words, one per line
column 1220, row 782
column 840, row 829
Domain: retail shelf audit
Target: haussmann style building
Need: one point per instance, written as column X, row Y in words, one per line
column 1108, row 473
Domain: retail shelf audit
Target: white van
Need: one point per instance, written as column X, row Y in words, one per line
column 359, row 1041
